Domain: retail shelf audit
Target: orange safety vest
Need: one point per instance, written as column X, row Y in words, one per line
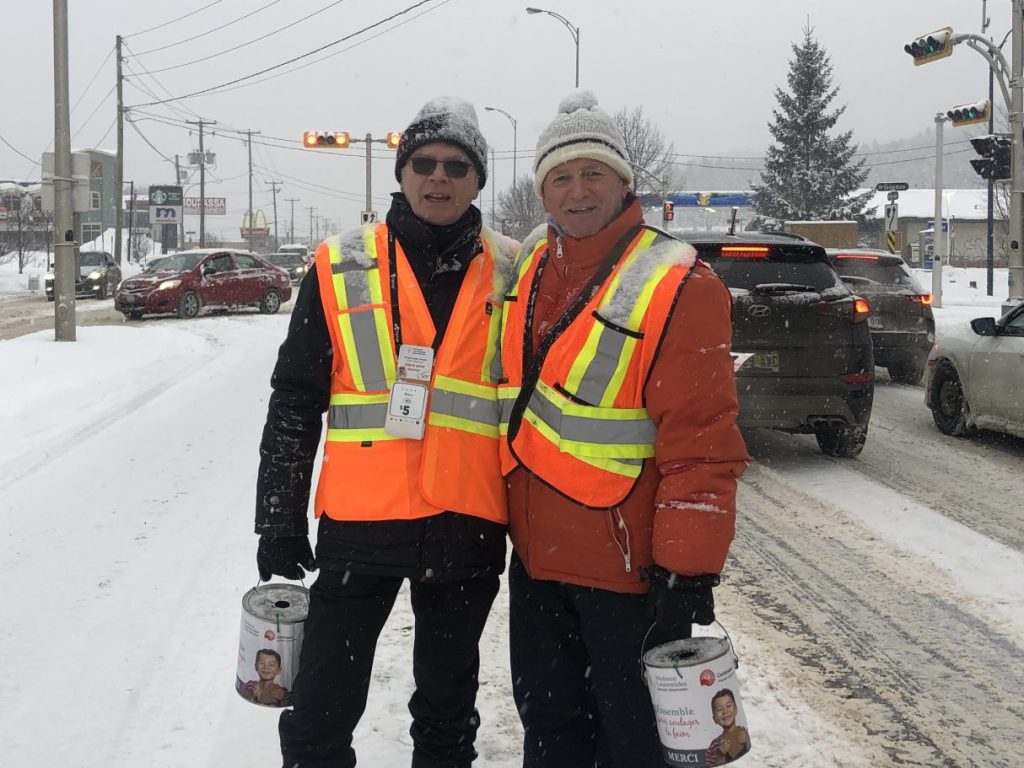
column 367, row 474
column 579, row 422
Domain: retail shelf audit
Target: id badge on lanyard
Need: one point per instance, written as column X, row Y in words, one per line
column 407, row 402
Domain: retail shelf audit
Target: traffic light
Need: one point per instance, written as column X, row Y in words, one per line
column 393, row 138
column 931, row 47
column 668, row 210
column 995, row 156
column 324, row 140
column 969, row 114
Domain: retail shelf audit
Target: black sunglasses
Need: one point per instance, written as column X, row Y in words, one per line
column 453, row 169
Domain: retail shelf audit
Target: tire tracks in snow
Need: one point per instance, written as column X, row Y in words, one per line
column 24, row 465
column 870, row 639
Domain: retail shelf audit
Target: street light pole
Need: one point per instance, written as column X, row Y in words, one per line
column 573, row 30
column 515, row 143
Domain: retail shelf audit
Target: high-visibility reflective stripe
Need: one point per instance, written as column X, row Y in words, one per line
column 492, row 370
column 596, row 374
column 363, row 416
column 365, row 332
column 506, row 402
column 607, row 432
column 359, row 435
column 603, row 365
column 480, row 410
column 623, row 467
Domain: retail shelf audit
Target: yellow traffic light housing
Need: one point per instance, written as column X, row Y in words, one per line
column 325, row 140
column 394, row 137
column 931, row 47
column 970, row 114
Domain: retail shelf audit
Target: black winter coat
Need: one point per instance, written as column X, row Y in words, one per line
column 445, row 547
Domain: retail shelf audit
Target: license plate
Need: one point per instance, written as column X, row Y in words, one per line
column 764, row 361
column 128, row 299
column 875, row 322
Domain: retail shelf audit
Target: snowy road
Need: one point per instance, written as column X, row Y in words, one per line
column 887, row 591
column 876, row 604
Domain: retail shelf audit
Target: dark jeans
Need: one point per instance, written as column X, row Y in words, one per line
column 576, row 675
column 346, row 614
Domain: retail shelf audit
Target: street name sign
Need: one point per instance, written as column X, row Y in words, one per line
column 892, row 186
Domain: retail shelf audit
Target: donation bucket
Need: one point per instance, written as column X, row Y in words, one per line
column 273, row 619
column 696, row 699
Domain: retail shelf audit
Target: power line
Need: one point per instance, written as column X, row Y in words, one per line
column 210, row 31
column 296, row 58
column 139, row 131
column 441, row 4
column 93, row 80
column 172, row 21
column 18, row 152
column 249, row 42
column 97, row 109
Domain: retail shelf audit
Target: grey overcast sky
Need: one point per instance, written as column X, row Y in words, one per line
column 705, row 72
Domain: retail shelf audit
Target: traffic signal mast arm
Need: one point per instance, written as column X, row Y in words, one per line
column 939, row 44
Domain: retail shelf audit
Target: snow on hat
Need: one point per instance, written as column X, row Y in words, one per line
column 448, row 120
column 580, row 129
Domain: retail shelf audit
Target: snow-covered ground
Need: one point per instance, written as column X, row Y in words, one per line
column 127, row 475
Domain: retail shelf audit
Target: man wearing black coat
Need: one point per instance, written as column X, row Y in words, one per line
column 452, row 560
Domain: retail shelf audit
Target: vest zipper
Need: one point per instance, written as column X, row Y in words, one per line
column 617, row 521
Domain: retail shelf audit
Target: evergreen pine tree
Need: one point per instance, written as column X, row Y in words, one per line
column 808, row 175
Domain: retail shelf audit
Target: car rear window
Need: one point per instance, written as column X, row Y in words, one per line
column 888, row 273
column 783, row 265
column 286, row 259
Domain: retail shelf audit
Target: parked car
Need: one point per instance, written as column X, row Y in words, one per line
column 800, row 338
column 901, row 322
column 98, row 275
column 292, row 262
column 976, row 376
column 185, row 282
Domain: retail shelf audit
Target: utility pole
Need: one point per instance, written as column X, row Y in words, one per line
column 119, row 160
column 273, row 191
column 938, row 242
column 181, row 219
column 252, row 224
column 369, row 145
column 202, row 179
column 64, row 277
column 291, row 227
column 131, row 219
column 1015, row 259
column 311, row 209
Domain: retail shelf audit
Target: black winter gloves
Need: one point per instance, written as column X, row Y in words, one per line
column 677, row 602
column 283, row 555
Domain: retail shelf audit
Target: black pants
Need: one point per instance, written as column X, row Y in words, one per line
column 576, row 675
column 347, row 612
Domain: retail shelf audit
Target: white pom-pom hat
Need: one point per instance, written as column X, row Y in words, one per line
column 580, row 129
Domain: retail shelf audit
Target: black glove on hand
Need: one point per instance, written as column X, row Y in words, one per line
column 283, row 555
column 677, row 602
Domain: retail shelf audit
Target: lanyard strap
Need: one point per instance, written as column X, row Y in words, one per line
column 396, row 317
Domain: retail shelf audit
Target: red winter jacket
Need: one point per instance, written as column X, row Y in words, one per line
column 682, row 512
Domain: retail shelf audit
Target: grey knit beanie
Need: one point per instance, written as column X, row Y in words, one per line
column 580, row 129
column 450, row 121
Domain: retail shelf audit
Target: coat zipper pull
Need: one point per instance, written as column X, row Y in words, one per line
column 558, row 248
column 627, row 552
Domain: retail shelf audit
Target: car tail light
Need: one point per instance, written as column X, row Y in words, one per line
column 863, row 377
column 923, row 298
column 745, row 251
column 856, row 310
column 863, row 256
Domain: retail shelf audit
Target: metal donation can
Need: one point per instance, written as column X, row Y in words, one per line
column 273, row 620
column 696, row 698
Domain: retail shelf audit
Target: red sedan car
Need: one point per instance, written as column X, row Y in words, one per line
column 185, row 282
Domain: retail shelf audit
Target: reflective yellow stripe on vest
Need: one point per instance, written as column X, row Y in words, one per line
column 462, row 405
column 597, row 372
column 357, row 418
column 366, row 331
